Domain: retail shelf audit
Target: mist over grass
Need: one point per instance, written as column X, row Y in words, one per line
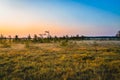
column 64, row 60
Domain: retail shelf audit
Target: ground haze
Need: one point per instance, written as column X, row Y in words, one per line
column 64, row 60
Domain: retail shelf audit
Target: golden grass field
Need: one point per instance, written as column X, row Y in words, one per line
column 73, row 60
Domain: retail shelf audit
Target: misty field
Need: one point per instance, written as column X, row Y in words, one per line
column 64, row 60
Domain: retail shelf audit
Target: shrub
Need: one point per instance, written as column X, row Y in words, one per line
column 64, row 43
column 27, row 44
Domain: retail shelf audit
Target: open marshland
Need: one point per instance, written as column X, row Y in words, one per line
column 64, row 60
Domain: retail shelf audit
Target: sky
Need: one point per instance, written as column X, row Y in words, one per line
column 60, row 17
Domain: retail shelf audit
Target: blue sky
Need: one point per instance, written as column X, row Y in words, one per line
column 112, row 6
column 61, row 17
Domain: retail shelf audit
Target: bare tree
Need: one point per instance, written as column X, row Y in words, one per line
column 118, row 34
column 48, row 34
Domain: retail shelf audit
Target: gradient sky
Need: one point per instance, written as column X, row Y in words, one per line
column 60, row 17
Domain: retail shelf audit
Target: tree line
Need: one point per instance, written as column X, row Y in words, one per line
column 41, row 39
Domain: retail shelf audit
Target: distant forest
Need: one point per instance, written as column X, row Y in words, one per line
column 46, row 37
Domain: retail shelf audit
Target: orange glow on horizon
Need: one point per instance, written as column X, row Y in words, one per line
column 34, row 29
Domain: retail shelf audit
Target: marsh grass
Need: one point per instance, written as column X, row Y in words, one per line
column 27, row 44
column 5, row 44
column 53, row 61
column 64, row 43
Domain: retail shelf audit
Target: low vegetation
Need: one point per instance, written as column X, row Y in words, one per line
column 63, row 60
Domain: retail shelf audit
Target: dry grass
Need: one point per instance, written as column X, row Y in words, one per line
column 53, row 61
